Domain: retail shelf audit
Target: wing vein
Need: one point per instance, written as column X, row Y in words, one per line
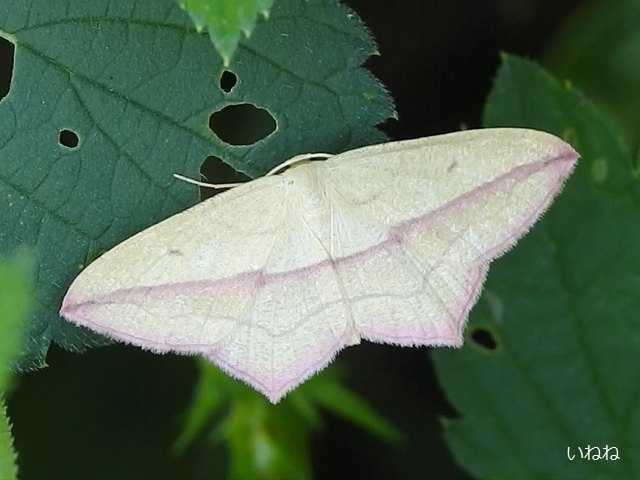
column 345, row 298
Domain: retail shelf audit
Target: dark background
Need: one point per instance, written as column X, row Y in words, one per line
column 113, row 412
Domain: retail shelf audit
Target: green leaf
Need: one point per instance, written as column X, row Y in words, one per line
column 212, row 393
column 562, row 309
column 226, row 20
column 266, row 442
column 15, row 295
column 137, row 84
column 8, row 469
column 15, row 302
column 599, row 49
column 334, row 397
column 271, row 441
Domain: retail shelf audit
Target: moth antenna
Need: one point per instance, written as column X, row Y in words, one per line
column 297, row 159
column 204, row 184
column 273, row 171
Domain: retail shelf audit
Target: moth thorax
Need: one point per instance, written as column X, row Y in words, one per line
column 306, row 186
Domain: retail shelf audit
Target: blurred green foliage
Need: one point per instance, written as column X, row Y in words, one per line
column 599, row 50
column 15, row 298
column 561, row 308
column 268, row 441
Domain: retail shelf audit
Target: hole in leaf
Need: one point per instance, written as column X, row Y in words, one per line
column 484, row 338
column 242, row 124
column 214, row 170
column 68, row 138
column 228, row 80
column 7, row 51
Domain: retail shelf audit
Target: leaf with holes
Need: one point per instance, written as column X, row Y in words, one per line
column 110, row 98
column 226, row 20
column 550, row 361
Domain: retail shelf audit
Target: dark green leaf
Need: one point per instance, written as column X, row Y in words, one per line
column 137, row 84
column 562, row 309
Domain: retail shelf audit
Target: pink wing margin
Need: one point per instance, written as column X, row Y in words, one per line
column 562, row 165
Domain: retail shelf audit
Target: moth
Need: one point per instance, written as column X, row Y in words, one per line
column 269, row 280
